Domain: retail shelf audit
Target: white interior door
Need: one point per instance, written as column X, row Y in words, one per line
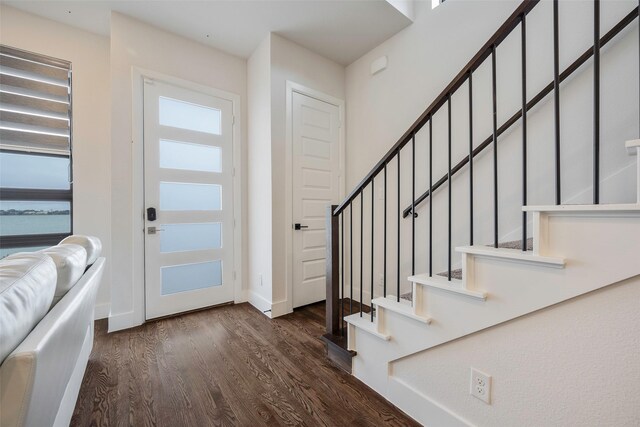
column 316, row 182
column 188, row 169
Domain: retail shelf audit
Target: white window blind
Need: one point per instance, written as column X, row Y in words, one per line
column 36, row 186
column 35, row 103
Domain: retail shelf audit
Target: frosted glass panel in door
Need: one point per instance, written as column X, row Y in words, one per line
column 188, row 156
column 190, row 237
column 180, row 196
column 189, row 277
column 185, row 115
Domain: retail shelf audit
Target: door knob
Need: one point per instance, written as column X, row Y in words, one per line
column 298, row 226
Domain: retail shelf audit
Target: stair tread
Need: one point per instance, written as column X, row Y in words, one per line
column 400, row 307
column 452, row 285
column 513, row 255
column 625, row 207
column 367, row 325
column 457, row 273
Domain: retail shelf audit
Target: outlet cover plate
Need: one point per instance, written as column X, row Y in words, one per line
column 480, row 385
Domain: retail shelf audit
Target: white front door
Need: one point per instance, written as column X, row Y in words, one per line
column 188, row 169
column 316, row 182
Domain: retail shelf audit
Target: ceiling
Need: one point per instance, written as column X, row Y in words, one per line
column 341, row 30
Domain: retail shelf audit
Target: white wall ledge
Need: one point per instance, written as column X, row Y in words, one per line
column 630, row 207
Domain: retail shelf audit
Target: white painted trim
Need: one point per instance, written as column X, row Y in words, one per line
column 120, row 321
column 421, row 407
column 260, row 303
column 292, row 87
column 628, row 207
column 632, row 145
column 400, row 308
column 512, row 255
column 280, row 308
column 364, row 323
column 137, row 316
column 102, row 311
column 455, row 285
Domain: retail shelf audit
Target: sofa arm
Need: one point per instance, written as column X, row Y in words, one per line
column 35, row 377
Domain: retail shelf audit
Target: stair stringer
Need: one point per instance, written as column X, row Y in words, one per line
column 600, row 245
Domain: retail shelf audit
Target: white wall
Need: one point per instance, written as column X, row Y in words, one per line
column 575, row 363
column 423, row 59
column 135, row 44
column 292, row 62
column 259, row 276
column 89, row 56
column 276, row 61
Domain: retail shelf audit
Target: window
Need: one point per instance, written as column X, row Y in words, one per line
column 35, row 151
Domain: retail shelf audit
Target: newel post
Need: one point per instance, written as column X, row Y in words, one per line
column 333, row 290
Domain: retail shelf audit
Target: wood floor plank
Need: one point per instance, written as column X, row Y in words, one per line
column 227, row 366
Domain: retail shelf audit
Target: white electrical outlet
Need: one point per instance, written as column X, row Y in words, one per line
column 480, row 385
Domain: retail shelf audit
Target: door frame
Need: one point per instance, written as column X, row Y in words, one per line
column 138, row 76
column 291, row 88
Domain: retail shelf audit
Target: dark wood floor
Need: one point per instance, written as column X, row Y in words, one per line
column 225, row 366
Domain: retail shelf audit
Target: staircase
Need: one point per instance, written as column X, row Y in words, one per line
column 565, row 250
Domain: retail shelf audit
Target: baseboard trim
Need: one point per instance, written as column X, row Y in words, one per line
column 421, row 407
column 260, row 302
column 241, row 297
column 120, row 321
column 268, row 308
column 280, row 308
column 102, row 311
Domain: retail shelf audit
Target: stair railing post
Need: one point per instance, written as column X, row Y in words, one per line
column 596, row 102
column 523, row 28
column 556, row 98
column 333, row 273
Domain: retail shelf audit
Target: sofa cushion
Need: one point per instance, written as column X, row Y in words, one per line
column 91, row 244
column 27, row 286
column 71, row 261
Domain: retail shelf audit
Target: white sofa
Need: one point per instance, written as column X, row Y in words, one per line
column 47, row 301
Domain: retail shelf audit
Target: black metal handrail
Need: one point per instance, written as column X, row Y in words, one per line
column 628, row 19
column 509, row 25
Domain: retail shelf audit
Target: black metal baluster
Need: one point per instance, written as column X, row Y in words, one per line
column 351, row 258
column 373, row 196
column 398, row 272
column 495, row 147
column 524, row 129
column 449, row 189
column 361, row 248
column 413, row 204
column 384, row 268
column 596, row 102
column 470, row 158
column 342, row 268
column 556, row 97
column 430, row 198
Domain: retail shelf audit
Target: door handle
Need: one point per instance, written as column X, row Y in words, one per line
column 154, row 230
column 298, row 226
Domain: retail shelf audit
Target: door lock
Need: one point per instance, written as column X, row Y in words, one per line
column 153, row 230
column 151, row 214
column 298, row 226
